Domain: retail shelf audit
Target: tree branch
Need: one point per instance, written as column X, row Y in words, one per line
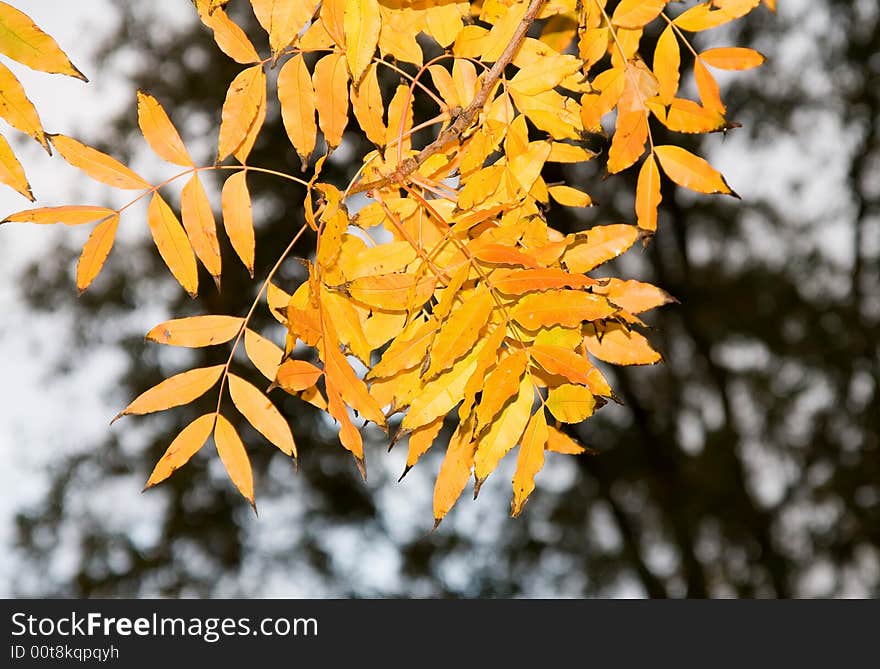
column 467, row 116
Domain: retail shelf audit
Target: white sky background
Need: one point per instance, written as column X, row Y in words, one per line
column 42, row 416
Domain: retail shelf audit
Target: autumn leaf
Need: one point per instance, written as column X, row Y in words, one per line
column 262, row 414
column 95, row 251
column 297, row 97
column 185, row 445
column 67, row 214
column 174, row 391
column 22, row 40
column 235, row 459
column 240, row 110
column 530, row 460
column 238, row 218
column 17, row 109
column 690, row 171
column 97, row 165
column 196, row 331
column 173, row 245
column 11, row 172
column 362, row 23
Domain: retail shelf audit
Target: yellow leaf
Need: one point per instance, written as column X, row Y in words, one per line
column 598, row 245
column 635, row 296
column 637, row 13
column 196, row 331
column 702, row 17
column 570, row 403
column 184, row 446
column 265, row 354
column 238, row 218
column 97, row 165
column 455, row 471
column 362, row 23
column 500, row 35
column 366, row 102
column 443, row 22
column 380, row 259
column 297, row 98
column 560, row 152
column 544, row 74
column 174, row 391
column 570, row 197
column 330, row 80
column 559, row 442
column 400, row 122
column 231, row 39
column 11, row 172
column 690, row 171
column 529, row 461
column 485, row 361
column 198, row 221
column 296, row 375
column 440, row 395
column 560, row 307
column 460, row 332
column 173, row 244
column 17, row 110
column 502, row 384
column 648, row 195
column 504, row 432
column 502, row 254
column 732, row 58
column 22, row 40
column 616, row 344
column 333, row 17
column 240, row 109
column 347, row 323
column 69, row 215
column 262, row 414
column 234, row 457
column 160, row 133
column 689, row 117
column 95, row 252
column 667, row 61
column 407, row 350
column 283, row 19
column 392, row 292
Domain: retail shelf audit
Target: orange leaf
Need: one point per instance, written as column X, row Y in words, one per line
column 667, row 62
column 460, row 332
column 97, row 165
column 455, row 471
column 619, row 346
column 366, row 102
column 330, row 80
column 559, row 442
column 198, row 221
column 95, row 252
column 296, row 375
column 690, row 171
column 361, row 22
column 530, row 460
column 262, row 414
column 353, row 390
column 234, row 458
column 184, row 446
column 504, row 432
column 160, row 133
column 421, row 439
column 648, row 196
column 520, row 281
column 17, row 109
column 174, row 391
column 500, row 386
column 231, row 39
column 561, row 361
column 297, row 97
column 732, row 58
column 11, row 172
column 240, row 109
column 173, row 244
column 560, row 307
column 196, row 331
column 405, row 352
column 635, row 296
column 283, row 19
column 501, row 254
column 238, row 218
column 598, row 245
column 710, row 94
column 637, row 13
column 392, row 292
column 69, row 215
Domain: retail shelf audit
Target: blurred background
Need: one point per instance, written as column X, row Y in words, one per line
column 746, row 465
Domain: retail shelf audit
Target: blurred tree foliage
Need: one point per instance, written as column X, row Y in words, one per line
column 748, row 464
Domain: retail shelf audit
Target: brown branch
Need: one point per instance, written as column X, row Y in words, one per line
column 466, row 117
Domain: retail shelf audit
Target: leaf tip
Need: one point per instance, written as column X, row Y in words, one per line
column 362, row 467
column 405, row 472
